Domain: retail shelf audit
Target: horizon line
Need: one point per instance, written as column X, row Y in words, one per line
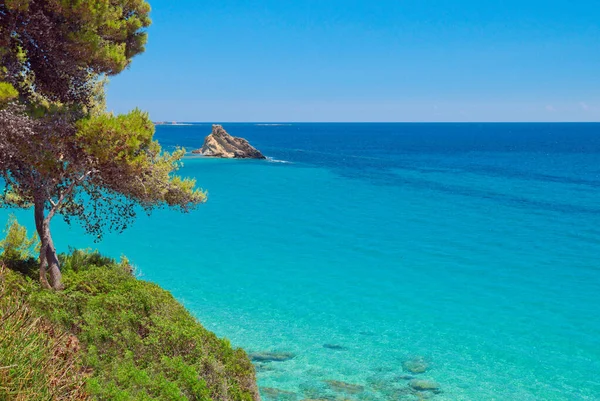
column 174, row 122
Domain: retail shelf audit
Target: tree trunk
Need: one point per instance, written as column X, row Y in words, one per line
column 43, row 269
column 53, row 264
column 49, row 264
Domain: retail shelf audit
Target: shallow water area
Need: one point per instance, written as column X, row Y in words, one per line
column 471, row 247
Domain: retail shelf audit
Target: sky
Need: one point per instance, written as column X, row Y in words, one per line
column 367, row 61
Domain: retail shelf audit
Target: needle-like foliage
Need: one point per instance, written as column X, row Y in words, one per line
column 60, row 152
column 53, row 46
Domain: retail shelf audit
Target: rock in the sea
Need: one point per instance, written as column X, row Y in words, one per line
column 271, row 356
column 424, row 385
column 389, row 388
column 380, row 384
column 415, row 365
column 316, row 390
column 424, row 395
column 335, row 347
column 384, row 369
column 263, row 367
column 220, row 144
column 277, row 394
column 404, row 393
column 345, row 387
column 316, row 399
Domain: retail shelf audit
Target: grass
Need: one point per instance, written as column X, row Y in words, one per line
column 38, row 361
column 109, row 336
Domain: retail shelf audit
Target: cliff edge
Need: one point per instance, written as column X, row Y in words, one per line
column 220, row 144
column 109, row 336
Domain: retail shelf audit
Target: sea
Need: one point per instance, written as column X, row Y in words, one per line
column 471, row 249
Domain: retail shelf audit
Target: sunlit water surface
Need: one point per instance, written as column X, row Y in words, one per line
column 473, row 246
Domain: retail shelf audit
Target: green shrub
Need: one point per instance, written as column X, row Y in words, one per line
column 137, row 342
column 7, row 92
column 18, row 251
column 78, row 259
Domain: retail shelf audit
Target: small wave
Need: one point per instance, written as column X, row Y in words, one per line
column 273, row 125
column 174, row 124
column 271, row 160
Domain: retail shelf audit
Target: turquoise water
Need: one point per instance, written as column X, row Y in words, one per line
column 474, row 246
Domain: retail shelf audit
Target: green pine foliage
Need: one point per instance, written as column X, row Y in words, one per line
column 7, row 92
column 17, row 249
column 16, row 244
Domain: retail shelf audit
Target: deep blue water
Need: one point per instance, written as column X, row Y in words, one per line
column 475, row 246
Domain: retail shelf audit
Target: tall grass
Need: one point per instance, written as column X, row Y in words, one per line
column 38, row 361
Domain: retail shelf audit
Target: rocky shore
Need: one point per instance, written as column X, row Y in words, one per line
column 220, row 144
column 406, row 382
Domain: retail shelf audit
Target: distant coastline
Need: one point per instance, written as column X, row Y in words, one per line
column 170, row 123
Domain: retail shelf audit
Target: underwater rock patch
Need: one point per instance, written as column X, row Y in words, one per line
column 416, row 365
column 404, row 393
column 379, row 384
column 349, row 388
column 271, row 356
column 335, row 347
column 278, row 394
column 424, row 385
column 317, row 399
column 422, row 396
column 390, row 388
column 263, row 367
column 316, row 391
column 384, row 369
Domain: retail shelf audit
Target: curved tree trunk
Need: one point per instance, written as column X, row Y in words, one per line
column 53, row 264
column 49, row 264
column 43, row 268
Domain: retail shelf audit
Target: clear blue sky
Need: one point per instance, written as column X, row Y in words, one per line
column 367, row 60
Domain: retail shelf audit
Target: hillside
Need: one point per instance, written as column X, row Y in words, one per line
column 110, row 336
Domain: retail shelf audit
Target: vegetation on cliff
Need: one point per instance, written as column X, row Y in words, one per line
column 107, row 336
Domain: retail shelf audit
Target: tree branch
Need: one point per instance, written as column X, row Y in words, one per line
column 56, row 205
column 50, row 198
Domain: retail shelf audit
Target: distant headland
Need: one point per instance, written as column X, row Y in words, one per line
column 170, row 123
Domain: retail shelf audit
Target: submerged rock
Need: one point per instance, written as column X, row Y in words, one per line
column 384, row 369
column 424, row 395
column 316, row 390
column 405, row 393
column 424, row 385
column 380, row 384
column 389, row 388
column 415, row 365
column 335, row 347
column 345, row 387
column 278, row 394
column 317, row 399
column 271, row 356
column 263, row 367
column 220, row 144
